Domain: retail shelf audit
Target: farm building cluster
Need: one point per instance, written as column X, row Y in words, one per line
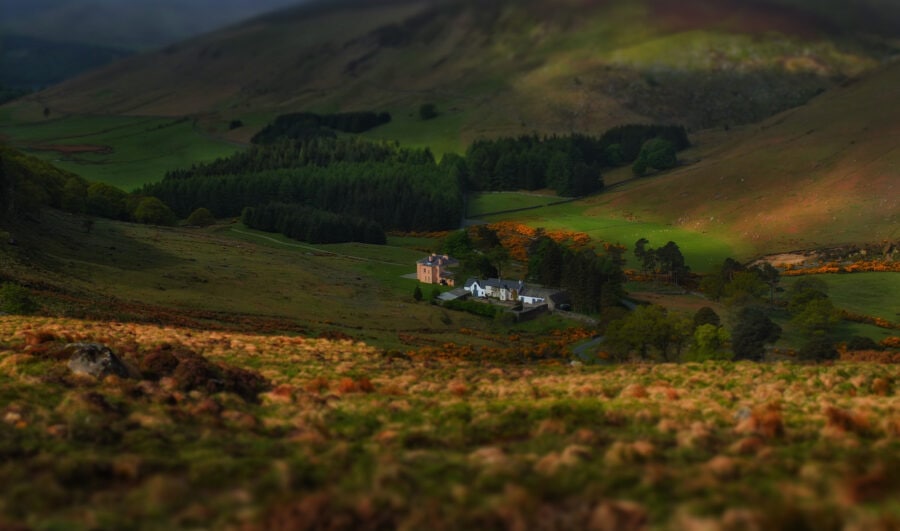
column 435, row 270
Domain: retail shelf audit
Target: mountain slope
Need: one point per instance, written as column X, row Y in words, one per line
column 823, row 174
column 130, row 24
column 29, row 62
column 500, row 66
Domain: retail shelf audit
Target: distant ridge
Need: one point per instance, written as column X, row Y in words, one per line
column 502, row 66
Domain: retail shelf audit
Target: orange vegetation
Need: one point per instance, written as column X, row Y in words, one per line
column 343, row 435
column 891, row 342
column 866, row 266
column 877, row 321
column 436, row 235
column 516, row 238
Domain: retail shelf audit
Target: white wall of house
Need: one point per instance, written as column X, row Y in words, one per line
column 476, row 289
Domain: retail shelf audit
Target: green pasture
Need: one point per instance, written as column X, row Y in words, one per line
column 386, row 263
column 142, row 149
column 702, row 252
column 872, row 294
column 441, row 135
column 419, row 244
column 485, row 203
column 793, row 338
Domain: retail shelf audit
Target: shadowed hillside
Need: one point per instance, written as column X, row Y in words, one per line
column 28, row 63
column 502, row 66
column 129, row 24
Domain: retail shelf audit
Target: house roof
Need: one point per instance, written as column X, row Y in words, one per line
column 452, row 295
column 438, row 260
column 499, row 283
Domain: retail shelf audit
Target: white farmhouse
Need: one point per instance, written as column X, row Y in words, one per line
column 510, row 290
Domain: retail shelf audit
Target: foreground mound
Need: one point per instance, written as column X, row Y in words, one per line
column 312, row 433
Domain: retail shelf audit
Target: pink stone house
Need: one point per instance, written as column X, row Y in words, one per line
column 434, row 270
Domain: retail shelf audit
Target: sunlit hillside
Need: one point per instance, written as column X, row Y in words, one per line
column 824, row 174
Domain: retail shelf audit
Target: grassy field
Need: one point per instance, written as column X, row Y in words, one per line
column 485, row 203
column 598, row 219
column 385, row 263
column 868, row 294
column 872, row 294
column 793, row 338
column 121, row 150
column 263, row 431
column 441, row 135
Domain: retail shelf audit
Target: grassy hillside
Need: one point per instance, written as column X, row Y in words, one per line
column 498, row 67
column 227, row 276
column 33, row 63
column 824, row 174
column 819, row 174
column 133, row 24
column 125, row 151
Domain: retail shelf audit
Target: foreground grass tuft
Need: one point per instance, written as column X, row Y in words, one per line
column 229, row 429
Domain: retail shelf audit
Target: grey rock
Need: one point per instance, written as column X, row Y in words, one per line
column 743, row 414
column 96, row 360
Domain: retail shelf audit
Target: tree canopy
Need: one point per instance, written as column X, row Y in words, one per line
column 752, row 331
column 395, row 188
column 303, row 125
column 666, row 260
column 657, row 154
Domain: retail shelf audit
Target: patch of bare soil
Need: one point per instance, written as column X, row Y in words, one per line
column 789, row 259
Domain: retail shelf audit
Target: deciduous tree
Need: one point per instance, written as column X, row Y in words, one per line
column 818, row 349
column 152, row 211
column 752, row 331
column 817, row 316
column 646, row 330
column 201, row 217
column 706, row 315
column 658, row 154
column 709, row 344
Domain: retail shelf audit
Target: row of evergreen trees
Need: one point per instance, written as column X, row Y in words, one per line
column 396, row 188
column 571, row 165
column 295, row 154
column 303, row 125
column 593, row 281
column 312, row 225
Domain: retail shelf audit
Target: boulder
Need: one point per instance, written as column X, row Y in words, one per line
column 96, row 360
